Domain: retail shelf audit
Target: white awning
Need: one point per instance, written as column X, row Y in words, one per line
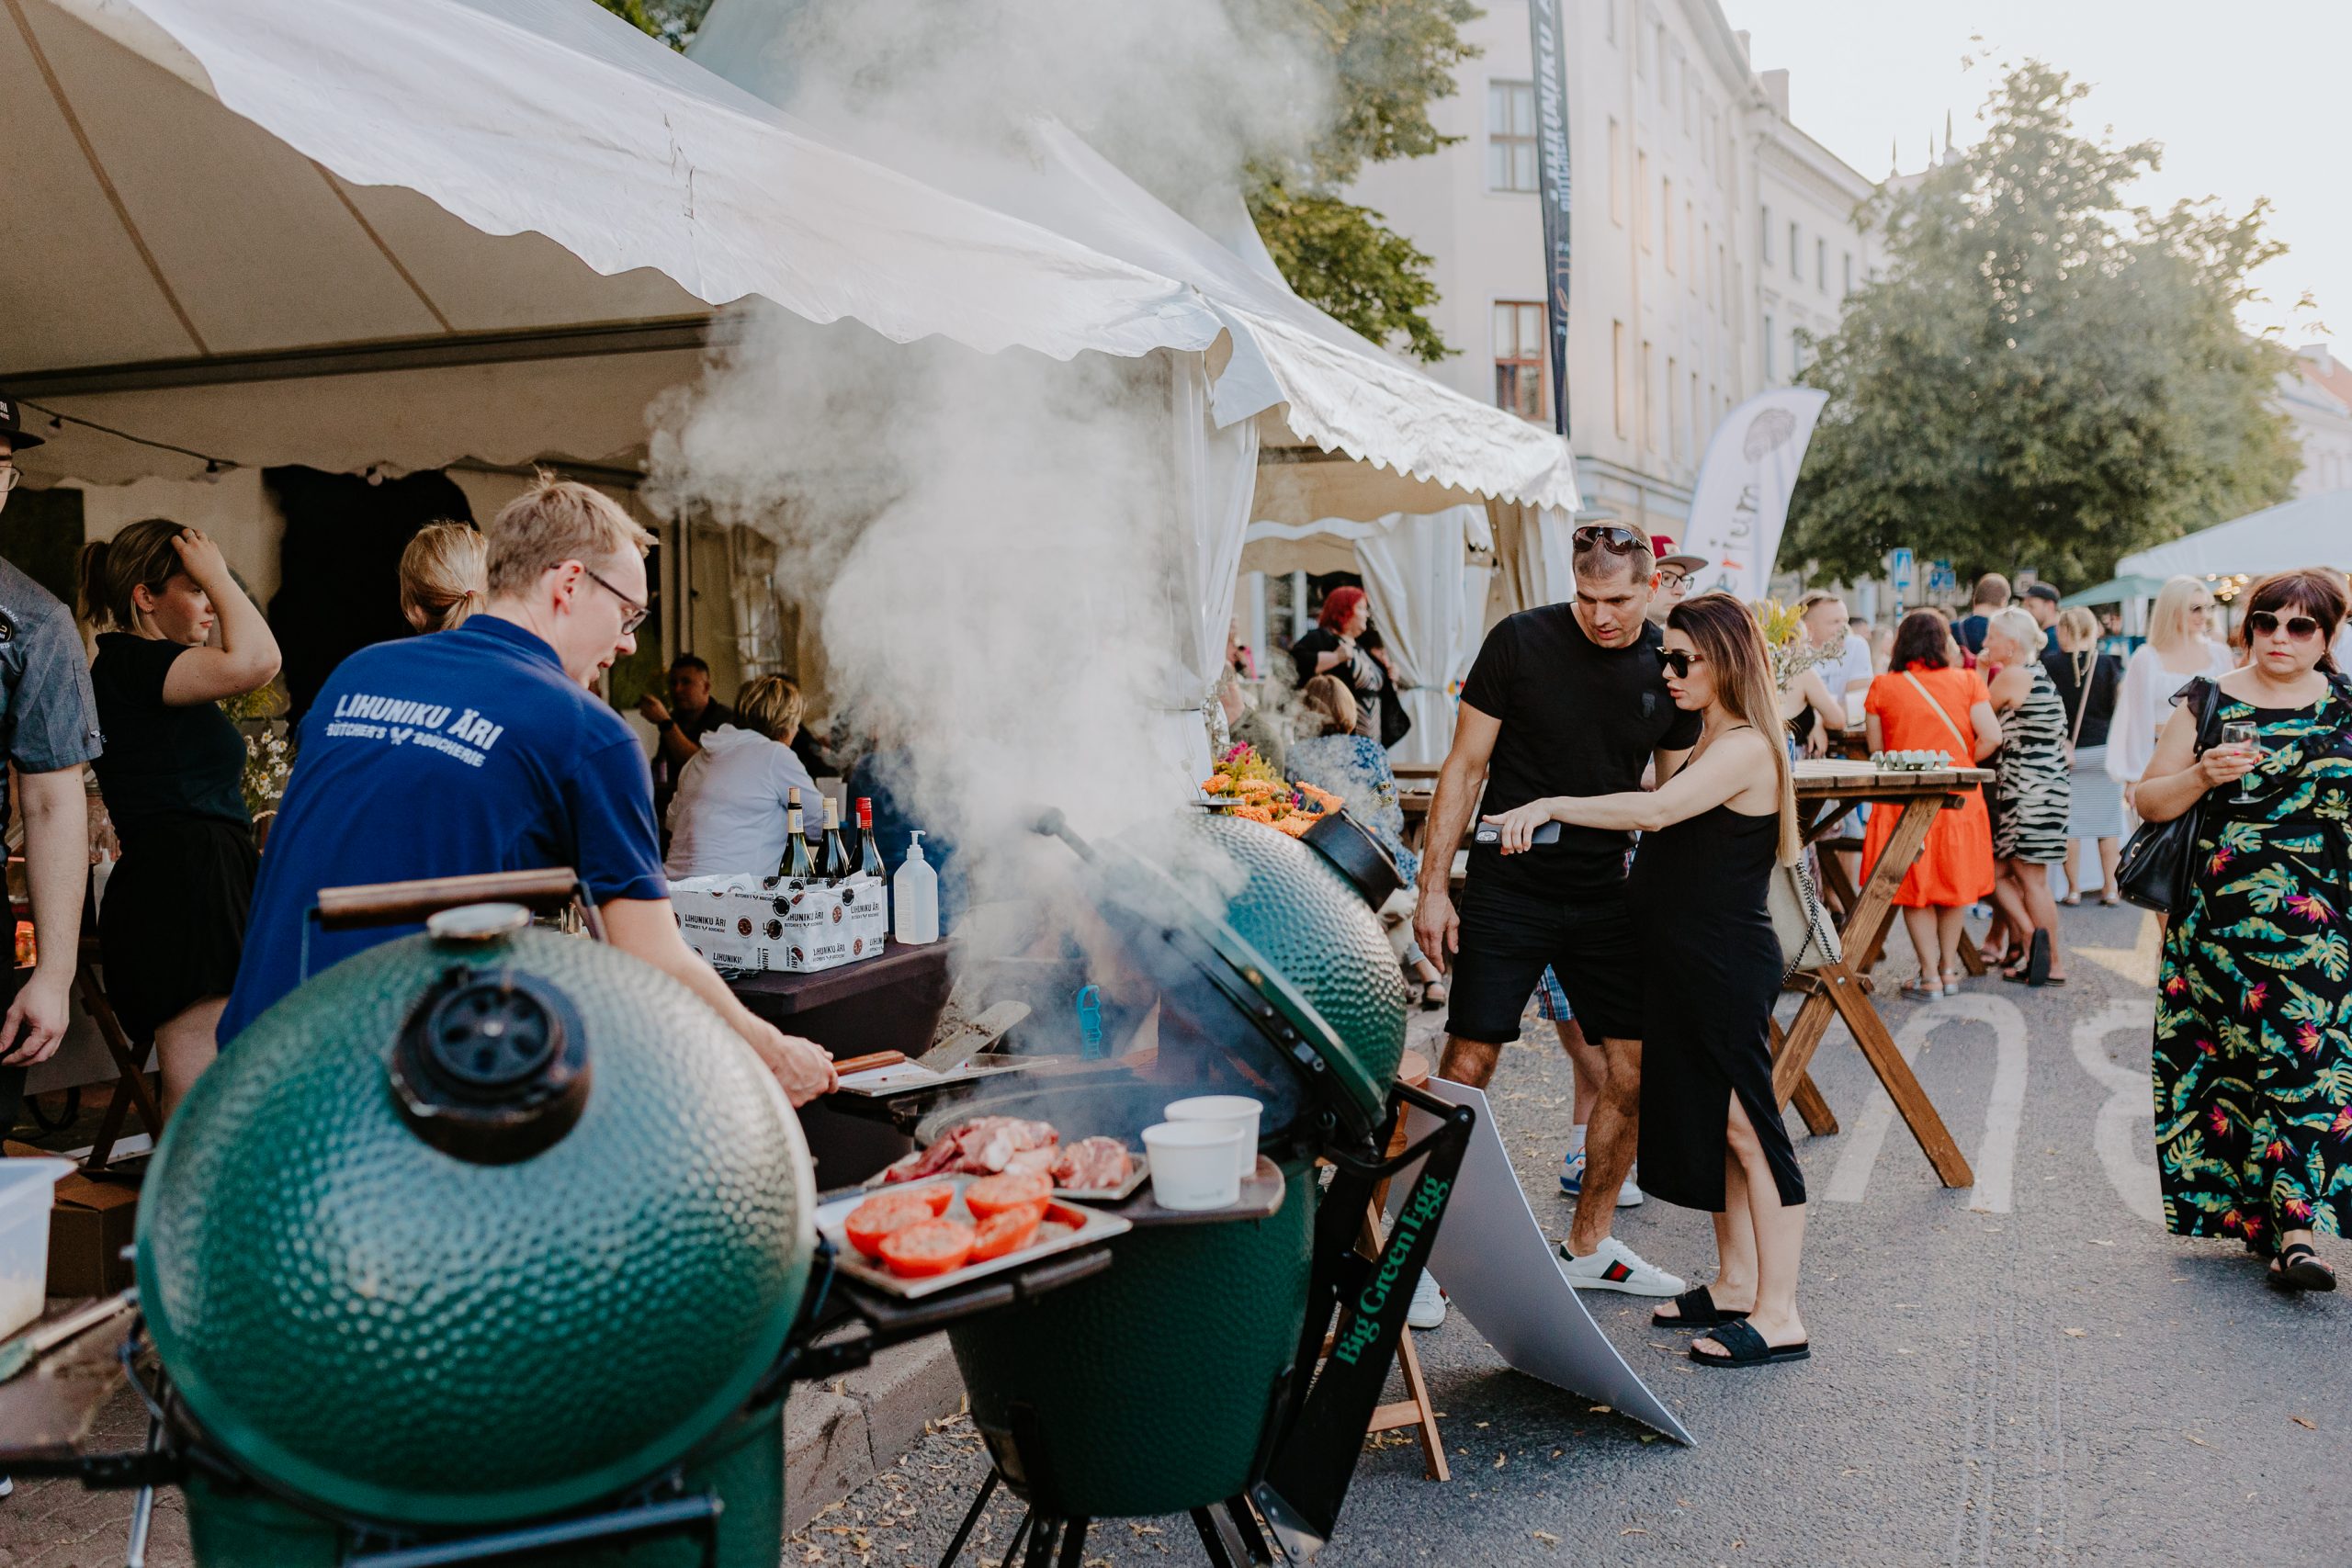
column 2315, row 530
column 520, row 196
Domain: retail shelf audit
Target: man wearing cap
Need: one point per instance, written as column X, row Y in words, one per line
column 48, row 728
column 1674, row 570
column 2042, row 604
column 1564, row 699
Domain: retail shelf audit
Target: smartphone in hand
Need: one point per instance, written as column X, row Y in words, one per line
column 1489, row 835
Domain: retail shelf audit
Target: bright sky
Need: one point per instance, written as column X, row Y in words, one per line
column 2243, row 97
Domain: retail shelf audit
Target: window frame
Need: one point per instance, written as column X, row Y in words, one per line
column 1528, row 357
column 1512, row 144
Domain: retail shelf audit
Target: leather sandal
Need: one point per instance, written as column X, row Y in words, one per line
column 1698, row 1309
column 2299, row 1268
column 1746, row 1348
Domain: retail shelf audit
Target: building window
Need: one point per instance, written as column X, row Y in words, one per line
column 1698, row 430
column 1665, row 219
column 1771, row 351
column 1849, row 272
column 1511, row 136
column 1642, row 196
column 1648, row 391
column 1797, row 261
column 1609, row 19
column 1642, row 55
column 1821, row 265
column 1673, row 408
column 1617, row 373
column 1519, row 357
column 1616, row 171
column 1662, row 62
column 1691, row 254
column 1764, row 238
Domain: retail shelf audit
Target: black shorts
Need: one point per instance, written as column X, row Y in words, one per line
column 1507, row 937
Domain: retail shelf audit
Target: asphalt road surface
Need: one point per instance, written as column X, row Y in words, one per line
column 2030, row 1372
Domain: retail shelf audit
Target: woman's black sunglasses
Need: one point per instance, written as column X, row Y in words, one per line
column 1619, row 541
column 1679, row 661
column 2263, row 622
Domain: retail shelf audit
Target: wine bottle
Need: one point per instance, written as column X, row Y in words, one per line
column 869, row 849
column 833, row 865
column 797, row 864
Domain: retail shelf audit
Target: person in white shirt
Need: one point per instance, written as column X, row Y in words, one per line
column 2179, row 648
column 728, row 816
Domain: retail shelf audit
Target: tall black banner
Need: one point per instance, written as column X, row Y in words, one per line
column 1552, row 159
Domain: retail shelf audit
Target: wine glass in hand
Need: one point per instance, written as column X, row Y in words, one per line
column 2246, row 734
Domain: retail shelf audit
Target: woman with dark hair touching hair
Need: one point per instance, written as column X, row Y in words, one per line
column 1926, row 702
column 1711, row 1136
column 2253, row 1059
column 1332, row 649
column 172, row 926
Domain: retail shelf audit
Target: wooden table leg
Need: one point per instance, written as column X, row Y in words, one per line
column 1819, row 1120
column 1841, row 994
column 132, row 1090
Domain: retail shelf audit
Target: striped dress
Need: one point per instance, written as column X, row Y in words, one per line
column 2033, row 794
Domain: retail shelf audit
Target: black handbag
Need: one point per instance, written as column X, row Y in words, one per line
column 2152, row 871
column 1394, row 720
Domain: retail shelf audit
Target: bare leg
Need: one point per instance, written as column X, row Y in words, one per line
column 1780, row 1238
column 2075, row 858
column 1733, row 1288
column 1952, row 930
column 184, row 1046
column 2041, row 909
column 2009, row 897
column 1920, row 924
column 2109, row 853
column 1468, row 1062
column 1609, row 1142
column 1589, row 1066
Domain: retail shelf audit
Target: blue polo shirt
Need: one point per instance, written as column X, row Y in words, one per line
column 463, row 752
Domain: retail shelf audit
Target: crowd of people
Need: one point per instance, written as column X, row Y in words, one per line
column 478, row 745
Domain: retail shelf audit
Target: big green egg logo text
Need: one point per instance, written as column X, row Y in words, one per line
column 1427, row 1201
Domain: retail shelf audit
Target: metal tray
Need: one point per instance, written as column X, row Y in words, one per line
column 1094, row 1227
column 1138, row 1173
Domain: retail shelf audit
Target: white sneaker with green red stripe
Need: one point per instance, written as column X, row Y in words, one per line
column 1613, row 1266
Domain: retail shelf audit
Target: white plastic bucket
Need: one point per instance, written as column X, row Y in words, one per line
column 1237, row 1112
column 26, row 1198
column 1193, row 1164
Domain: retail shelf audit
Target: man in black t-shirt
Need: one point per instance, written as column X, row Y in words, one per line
column 690, row 715
column 1567, row 699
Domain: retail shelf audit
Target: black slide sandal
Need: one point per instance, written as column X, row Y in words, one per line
column 1747, row 1349
column 1699, row 1311
column 2299, row 1268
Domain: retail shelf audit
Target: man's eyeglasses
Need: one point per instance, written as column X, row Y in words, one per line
column 2262, row 623
column 9, row 476
column 636, row 613
column 1616, row 539
column 1671, row 579
column 1678, row 661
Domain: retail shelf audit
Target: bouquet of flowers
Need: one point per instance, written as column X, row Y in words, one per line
column 1246, row 785
column 1792, row 652
column 269, row 751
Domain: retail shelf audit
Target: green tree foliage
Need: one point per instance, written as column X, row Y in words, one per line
column 671, row 21
column 1392, row 59
column 2044, row 376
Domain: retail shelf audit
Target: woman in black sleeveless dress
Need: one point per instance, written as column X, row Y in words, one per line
column 1711, row 1136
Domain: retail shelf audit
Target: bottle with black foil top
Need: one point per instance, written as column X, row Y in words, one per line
column 832, row 862
column 798, row 866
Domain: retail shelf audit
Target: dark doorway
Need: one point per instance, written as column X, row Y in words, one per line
column 339, row 566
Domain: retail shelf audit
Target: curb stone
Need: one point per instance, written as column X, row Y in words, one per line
column 841, row 1435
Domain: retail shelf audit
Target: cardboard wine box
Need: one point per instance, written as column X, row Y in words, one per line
column 745, row 922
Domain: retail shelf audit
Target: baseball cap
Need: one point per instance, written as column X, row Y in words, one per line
column 12, row 425
column 1662, row 546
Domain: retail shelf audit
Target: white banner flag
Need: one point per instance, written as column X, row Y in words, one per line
column 1741, row 503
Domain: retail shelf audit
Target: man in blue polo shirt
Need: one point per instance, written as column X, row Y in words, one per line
column 481, row 749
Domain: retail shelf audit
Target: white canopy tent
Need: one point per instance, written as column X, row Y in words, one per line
column 2312, row 530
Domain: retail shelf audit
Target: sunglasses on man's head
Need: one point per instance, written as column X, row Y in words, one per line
column 1617, row 541
column 1678, row 661
column 2263, row 622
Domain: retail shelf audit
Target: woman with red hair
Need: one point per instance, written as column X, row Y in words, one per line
column 1332, row 649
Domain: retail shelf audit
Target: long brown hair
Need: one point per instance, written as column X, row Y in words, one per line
column 1726, row 633
column 139, row 557
column 2316, row 590
column 444, row 574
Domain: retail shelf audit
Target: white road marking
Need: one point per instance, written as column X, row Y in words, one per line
column 1995, row 1162
column 2124, row 1135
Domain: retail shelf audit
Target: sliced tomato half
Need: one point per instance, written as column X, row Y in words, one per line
column 928, row 1248
column 877, row 1218
column 995, row 1194
column 1009, row 1230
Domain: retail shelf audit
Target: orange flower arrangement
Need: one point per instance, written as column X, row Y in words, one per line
column 1247, row 785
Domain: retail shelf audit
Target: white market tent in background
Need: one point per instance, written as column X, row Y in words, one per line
column 2315, row 530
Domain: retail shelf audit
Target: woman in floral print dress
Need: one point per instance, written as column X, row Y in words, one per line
column 2253, row 1058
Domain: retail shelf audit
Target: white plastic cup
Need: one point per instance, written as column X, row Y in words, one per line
column 1193, row 1164
column 1237, row 1112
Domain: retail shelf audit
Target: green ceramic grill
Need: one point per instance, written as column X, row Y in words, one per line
column 478, row 1228
column 1184, row 1379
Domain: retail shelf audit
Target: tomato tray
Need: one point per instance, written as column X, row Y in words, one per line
column 1094, row 1227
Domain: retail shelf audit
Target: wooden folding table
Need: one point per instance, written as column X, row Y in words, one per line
column 1826, row 790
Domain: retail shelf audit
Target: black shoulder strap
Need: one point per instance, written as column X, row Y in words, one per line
column 2208, row 704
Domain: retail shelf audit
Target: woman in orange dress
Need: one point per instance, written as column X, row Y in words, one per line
column 1924, row 702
